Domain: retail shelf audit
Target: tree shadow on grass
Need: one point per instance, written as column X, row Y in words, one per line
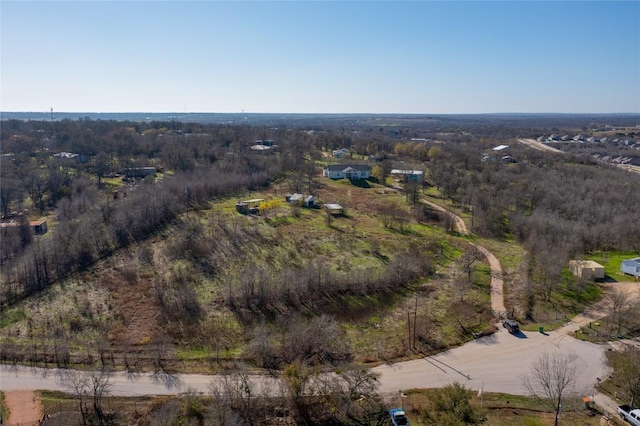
column 361, row 183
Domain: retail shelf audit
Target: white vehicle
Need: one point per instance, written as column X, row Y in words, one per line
column 629, row 414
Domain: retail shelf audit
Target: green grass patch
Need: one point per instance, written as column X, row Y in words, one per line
column 12, row 316
column 611, row 261
column 4, row 411
column 499, row 409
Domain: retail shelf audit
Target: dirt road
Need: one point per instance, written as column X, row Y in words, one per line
column 24, row 407
column 600, row 309
column 497, row 283
column 460, row 225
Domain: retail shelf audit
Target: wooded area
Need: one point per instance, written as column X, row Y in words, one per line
column 278, row 290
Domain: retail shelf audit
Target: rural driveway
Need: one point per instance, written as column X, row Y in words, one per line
column 497, row 283
column 460, row 225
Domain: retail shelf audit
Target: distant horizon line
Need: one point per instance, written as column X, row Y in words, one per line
column 321, row 113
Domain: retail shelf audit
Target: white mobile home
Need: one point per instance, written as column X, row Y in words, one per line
column 631, row 267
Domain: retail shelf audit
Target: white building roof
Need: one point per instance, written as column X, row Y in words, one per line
column 406, row 172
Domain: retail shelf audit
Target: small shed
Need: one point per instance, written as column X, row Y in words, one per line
column 631, row 267
column 587, row 269
column 38, row 227
column 301, row 200
column 334, row 209
column 249, row 206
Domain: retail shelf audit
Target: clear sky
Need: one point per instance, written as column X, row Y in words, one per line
column 320, row 57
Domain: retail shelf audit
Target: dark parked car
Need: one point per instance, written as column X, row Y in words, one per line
column 511, row 325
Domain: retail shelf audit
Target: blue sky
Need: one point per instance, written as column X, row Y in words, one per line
column 320, row 57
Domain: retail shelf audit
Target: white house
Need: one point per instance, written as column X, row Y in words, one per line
column 408, row 175
column 348, row 171
column 631, row 267
column 338, row 153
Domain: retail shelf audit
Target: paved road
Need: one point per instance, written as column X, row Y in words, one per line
column 539, row 145
column 495, row 362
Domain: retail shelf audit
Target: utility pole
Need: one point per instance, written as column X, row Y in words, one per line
column 415, row 321
column 409, row 327
column 51, row 124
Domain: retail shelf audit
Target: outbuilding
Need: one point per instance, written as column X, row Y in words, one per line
column 587, row 269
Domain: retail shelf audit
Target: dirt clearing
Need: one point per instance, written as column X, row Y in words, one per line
column 24, row 407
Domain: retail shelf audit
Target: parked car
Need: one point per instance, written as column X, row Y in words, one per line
column 511, row 325
column 629, row 414
column 398, row 417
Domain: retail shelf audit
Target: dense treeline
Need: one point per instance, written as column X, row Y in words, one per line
column 559, row 199
column 91, row 223
column 560, row 206
column 82, row 238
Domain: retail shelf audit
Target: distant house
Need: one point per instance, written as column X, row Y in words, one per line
column 138, row 172
column 79, row 158
column 631, row 267
column 587, row 269
column 408, row 175
column 301, row 200
column 264, row 142
column 261, row 148
column 339, row 153
column 348, row 171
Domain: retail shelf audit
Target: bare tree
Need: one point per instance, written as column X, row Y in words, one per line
column 620, row 302
column 551, row 378
column 626, row 371
column 468, row 258
column 88, row 386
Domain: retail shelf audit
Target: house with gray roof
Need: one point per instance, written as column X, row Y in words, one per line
column 347, row 171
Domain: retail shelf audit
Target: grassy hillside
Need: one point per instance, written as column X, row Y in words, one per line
column 207, row 289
